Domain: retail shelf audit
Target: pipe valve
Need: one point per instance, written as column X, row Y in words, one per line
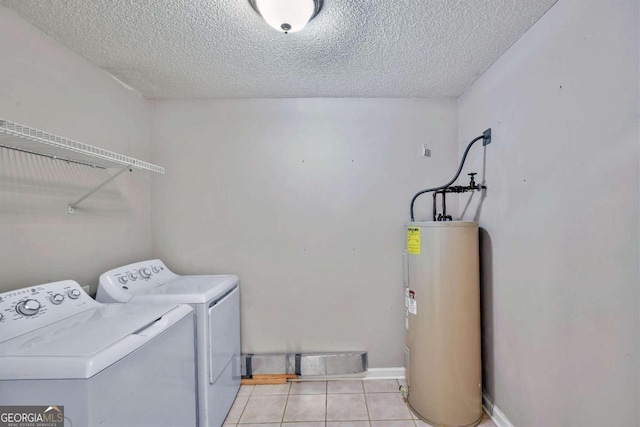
column 472, row 181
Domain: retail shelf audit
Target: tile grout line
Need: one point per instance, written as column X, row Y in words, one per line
column 366, row 404
column 241, row 412
column 248, row 398
column 245, row 406
column 285, row 406
column 326, row 404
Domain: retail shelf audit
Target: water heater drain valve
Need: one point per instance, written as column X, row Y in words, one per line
column 404, row 391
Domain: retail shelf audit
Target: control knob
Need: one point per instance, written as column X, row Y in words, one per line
column 28, row 307
column 57, row 299
column 73, row 293
column 123, row 279
column 145, row 273
column 156, row 269
column 132, row 276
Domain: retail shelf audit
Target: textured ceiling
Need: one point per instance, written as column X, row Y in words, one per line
column 223, row 49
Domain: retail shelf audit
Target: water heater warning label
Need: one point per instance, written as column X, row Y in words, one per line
column 413, row 240
column 413, row 307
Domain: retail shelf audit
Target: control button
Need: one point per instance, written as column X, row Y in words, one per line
column 29, row 307
column 123, row 279
column 145, row 273
column 73, row 293
column 57, row 299
column 133, row 276
column 156, row 269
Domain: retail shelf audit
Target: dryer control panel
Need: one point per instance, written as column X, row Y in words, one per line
column 148, row 271
column 27, row 309
column 120, row 284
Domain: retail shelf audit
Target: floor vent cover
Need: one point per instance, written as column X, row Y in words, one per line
column 305, row 364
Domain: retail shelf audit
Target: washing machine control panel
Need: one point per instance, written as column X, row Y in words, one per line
column 134, row 278
column 27, row 309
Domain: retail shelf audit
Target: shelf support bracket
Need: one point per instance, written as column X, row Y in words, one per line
column 73, row 205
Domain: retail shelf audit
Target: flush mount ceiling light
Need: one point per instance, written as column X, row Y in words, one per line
column 287, row 16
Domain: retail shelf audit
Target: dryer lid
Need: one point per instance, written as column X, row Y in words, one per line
column 189, row 289
column 83, row 345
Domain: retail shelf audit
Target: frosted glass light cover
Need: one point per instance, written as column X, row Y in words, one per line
column 296, row 13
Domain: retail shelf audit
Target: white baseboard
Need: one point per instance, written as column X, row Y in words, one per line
column 497, row 416
column 385, row 374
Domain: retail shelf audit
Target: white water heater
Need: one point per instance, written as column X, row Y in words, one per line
column 442, row 293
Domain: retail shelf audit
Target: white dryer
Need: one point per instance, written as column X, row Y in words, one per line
column 216, row 302
column 106, row 364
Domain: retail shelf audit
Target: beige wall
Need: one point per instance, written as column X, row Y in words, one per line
column 305, row 200
column 560, row 247
column 45, row 85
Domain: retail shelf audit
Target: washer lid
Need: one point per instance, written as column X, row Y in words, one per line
column 85, row 344
column 189, row 289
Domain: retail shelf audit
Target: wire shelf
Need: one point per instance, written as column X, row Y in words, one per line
column 24, row 138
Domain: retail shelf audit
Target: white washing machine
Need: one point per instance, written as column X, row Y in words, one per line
column 216, row 302
column 106, row 364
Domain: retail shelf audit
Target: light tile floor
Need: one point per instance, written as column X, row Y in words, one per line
column 370, row 403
